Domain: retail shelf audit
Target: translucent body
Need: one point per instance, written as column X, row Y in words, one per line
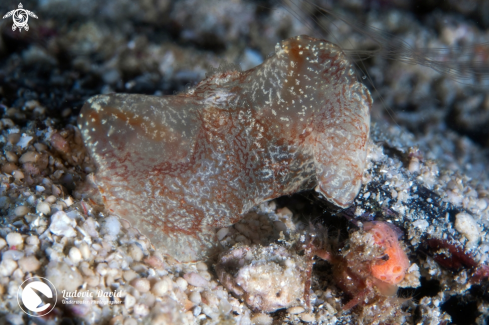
column 178, row 167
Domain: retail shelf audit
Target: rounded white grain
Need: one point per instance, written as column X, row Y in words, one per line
column 295, row 310
column 13, row 254
column 142, row 285
column 201, row 266
column 195, row 297
column 161, row 287
column 21, row 211
column 75, row 255
column 221, row 233
column 85, row 250
column 32, row 240
column 11, row 157
column 62, row 225
column 182, row 283
column 129, row 301
column 14, row 239
column 262, row 319
column 196, row 279
column 51, row 199
column 135, row 252
column 7, row 267
column 29, row 157
column 308, row 318
column 112, row 225
column 18, row 175
column 466, row 225
column 130, row 321
column 44, row 208
column 129, row 275
column 29, row 264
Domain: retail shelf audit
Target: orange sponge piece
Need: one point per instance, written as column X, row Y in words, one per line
column 392, row 268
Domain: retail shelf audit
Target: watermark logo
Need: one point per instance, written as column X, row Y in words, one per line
column 37, row 296
column 20, row 17
column 86, row 297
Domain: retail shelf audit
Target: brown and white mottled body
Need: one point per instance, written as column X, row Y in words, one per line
column 177, row 167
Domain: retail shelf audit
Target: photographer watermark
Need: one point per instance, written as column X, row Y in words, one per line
column 87, row 297
column 37, row 297
column 20, row 17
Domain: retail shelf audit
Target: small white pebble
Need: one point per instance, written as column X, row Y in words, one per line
column 196, row 311
column 75, row 255
column 11, row 157
column 414, row 165
column 29, row 157
column 112, row 225
column 201, row 266
column 24, row 141
column 85, row 250
column 467, row 226
column 262, row 319
column 130, row 321
column 32, row 240
column 221, row 233
column 40, row 146
column 161, row 287
column 195, row 279
column 225, row 307
column 68, row 201
column 62, row 225
column 31, row 200
column 13, row 254
column 129, row 301
column 129, row 275
column 29, row 264
column 135, row 252
column 21, row 211
column 142, row 285
column 195, row 297
column 308, row 318
column 44, row 208
column 182, row 283
column 141, row 310
column 18, row 175
column 51, row 199
column 421, row 224
column 102, row 269
column 96, row 247
column 3, row 243
column 14, row 239
column 7, row 267
column 206, row 275
column 295, row 310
